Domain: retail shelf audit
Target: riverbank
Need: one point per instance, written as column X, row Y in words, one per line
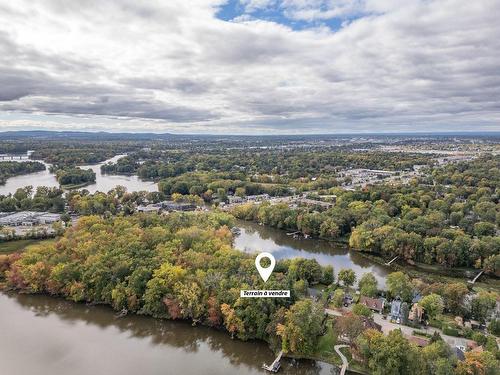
column 29, row 282
column 51, row 335
column 77, row 186
column 103, row 182
column 434, row 273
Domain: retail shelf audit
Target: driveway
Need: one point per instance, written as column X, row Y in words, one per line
column 387, row 326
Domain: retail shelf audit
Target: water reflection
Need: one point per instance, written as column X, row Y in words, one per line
column 42, row 335
column 254, row 238
column 41, row 178
column 106, row 182
column 103, row 182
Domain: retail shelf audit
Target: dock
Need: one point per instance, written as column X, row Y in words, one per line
column 392, row 260
column 475, row 278
column 275, row 366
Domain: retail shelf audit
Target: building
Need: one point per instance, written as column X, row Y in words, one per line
column 149, row 208
column 375, row 304
column 396, row 313
column 418, row 341
column 315, row 203
column 416, row 313
column 28, row 218
column 368, row 323
column 457, row 352
column 48, row 218
column 178, row 206
column 232, row 199
column 258, row 198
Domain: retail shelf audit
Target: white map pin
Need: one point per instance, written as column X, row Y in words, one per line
column 265, row 272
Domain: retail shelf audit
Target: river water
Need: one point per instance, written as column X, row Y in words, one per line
column 41, row 335
column 257, row 238
column 103, row 182
column 44, row 335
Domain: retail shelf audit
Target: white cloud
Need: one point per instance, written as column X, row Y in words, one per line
column 173, row 66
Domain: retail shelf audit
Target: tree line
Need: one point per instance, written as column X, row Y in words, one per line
column 181, row 266
column 450, row 219
column 14, row 168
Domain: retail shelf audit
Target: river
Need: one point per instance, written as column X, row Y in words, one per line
column 44, row 335
column 257, row 238
column 104, row 182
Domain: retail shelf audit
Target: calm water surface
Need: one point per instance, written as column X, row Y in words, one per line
column 42, row 335
column 103, row 182
column 45, row 335
column 257, row 238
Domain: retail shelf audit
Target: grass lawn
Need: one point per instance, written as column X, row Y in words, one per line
column 19, row 245
column 325, row 346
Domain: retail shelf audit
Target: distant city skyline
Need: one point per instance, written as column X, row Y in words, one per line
column 250, row 66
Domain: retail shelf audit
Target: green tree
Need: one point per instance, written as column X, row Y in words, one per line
column 483, row 304
column 302, row 327
column 388, row 355
column 433, row 305
column 361, row 310
column 453, row 296
column 328, row 275
column 347, row 276
column 494, row 327
column 399, row 284
column 338, row 298
column 368, row 285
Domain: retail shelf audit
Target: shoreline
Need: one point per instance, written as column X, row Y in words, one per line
column 433, row 273
column 10, row 291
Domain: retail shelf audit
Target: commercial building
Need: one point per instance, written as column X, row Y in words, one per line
column 28, row 218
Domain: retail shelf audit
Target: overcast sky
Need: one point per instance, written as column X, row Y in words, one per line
column 250, row 66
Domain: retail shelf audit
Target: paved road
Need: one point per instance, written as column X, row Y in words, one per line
column 387, row 326
column 344, row 359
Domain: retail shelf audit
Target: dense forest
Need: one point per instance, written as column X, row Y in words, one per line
column 289, row 163
column 182, row 266
column 178, row 267
column 25, row 199
column 276, row 171
column 14, row 168
column 75, row 176
column 450, row 218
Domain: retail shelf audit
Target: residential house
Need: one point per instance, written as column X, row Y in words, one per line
column 418, row 341
column 368, row 323
column 416, row 313
column 375, row 304
column 396, row 312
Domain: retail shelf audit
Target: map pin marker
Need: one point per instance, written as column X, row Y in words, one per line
column 265, row 272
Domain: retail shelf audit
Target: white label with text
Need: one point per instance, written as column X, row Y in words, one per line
column 265, row 293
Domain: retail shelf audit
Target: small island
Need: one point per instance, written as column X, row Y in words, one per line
column 13, row 168
column 73, row 178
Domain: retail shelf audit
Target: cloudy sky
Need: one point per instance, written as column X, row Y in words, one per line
column 250, row 66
